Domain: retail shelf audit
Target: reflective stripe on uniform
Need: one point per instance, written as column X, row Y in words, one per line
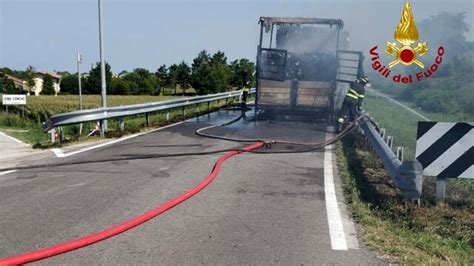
column 246, row 89
column 352, row 96
column 340, row 120
column 353, row 92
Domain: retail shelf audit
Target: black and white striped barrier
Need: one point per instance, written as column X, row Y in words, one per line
column 445, row 150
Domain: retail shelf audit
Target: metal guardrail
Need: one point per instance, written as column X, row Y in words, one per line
column 407, row 175
column 89, row 115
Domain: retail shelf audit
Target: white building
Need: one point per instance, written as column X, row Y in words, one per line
column 39, row 80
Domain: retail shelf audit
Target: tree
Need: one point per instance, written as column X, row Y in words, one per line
column 183, row 76
column 173, row 76
column 121, row 86
column 29, row 77
column 219, row 78
column 242, row 70
column 142, row 81
column 219, row 58
column 69, row 84
column 210, row 74
column 6, row 85
column 162, row 78
column 220, row 73
column 2, row 82
column 93, row 83
column 122, row 73
column 63, row 73
column 9, row 87
column 48, row 85
column 6, row 70
column 200, row 72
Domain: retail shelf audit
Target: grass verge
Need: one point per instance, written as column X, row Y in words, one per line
column 400, row 231
column 395, row 229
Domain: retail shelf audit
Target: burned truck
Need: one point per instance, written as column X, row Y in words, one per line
column 303, row 68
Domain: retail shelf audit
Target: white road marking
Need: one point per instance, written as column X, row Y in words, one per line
column 59, row 153
column 76, row 185
column 7, row 172
column 14, row 139
column 399, row 104
column 336, row 229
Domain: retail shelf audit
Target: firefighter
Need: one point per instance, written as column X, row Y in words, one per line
column 243, row 96
column 352, row 102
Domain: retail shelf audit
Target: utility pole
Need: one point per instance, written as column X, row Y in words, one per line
column 103, row 127
column 79, row 61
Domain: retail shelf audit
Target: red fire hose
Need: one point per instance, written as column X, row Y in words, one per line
column 115, row 230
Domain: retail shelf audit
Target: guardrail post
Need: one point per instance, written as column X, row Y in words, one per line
column 167, row 116
column 147, row 119
column 60, row 135
column 102, row 132
column 184, row 112
column 400, row 153
column 53, row 137
column 440, row 190
column 390, row 141
column 121, row 123
column 382, row 133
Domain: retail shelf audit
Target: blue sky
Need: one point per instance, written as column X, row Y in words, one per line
column 144, row 33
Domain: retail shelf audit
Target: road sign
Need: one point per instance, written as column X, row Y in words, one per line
column 446, row 149
column 14, row 99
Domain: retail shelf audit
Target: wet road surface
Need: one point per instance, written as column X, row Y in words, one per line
column 261, row 209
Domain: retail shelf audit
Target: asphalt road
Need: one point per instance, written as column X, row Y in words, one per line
column 261, row 209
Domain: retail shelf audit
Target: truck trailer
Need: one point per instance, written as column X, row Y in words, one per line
column 304, row 66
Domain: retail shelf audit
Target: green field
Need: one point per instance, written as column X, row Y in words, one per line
column 396, row 230
column 401, row 123
column 38, row 109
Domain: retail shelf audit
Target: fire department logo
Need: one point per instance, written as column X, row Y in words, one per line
column 406, row 34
